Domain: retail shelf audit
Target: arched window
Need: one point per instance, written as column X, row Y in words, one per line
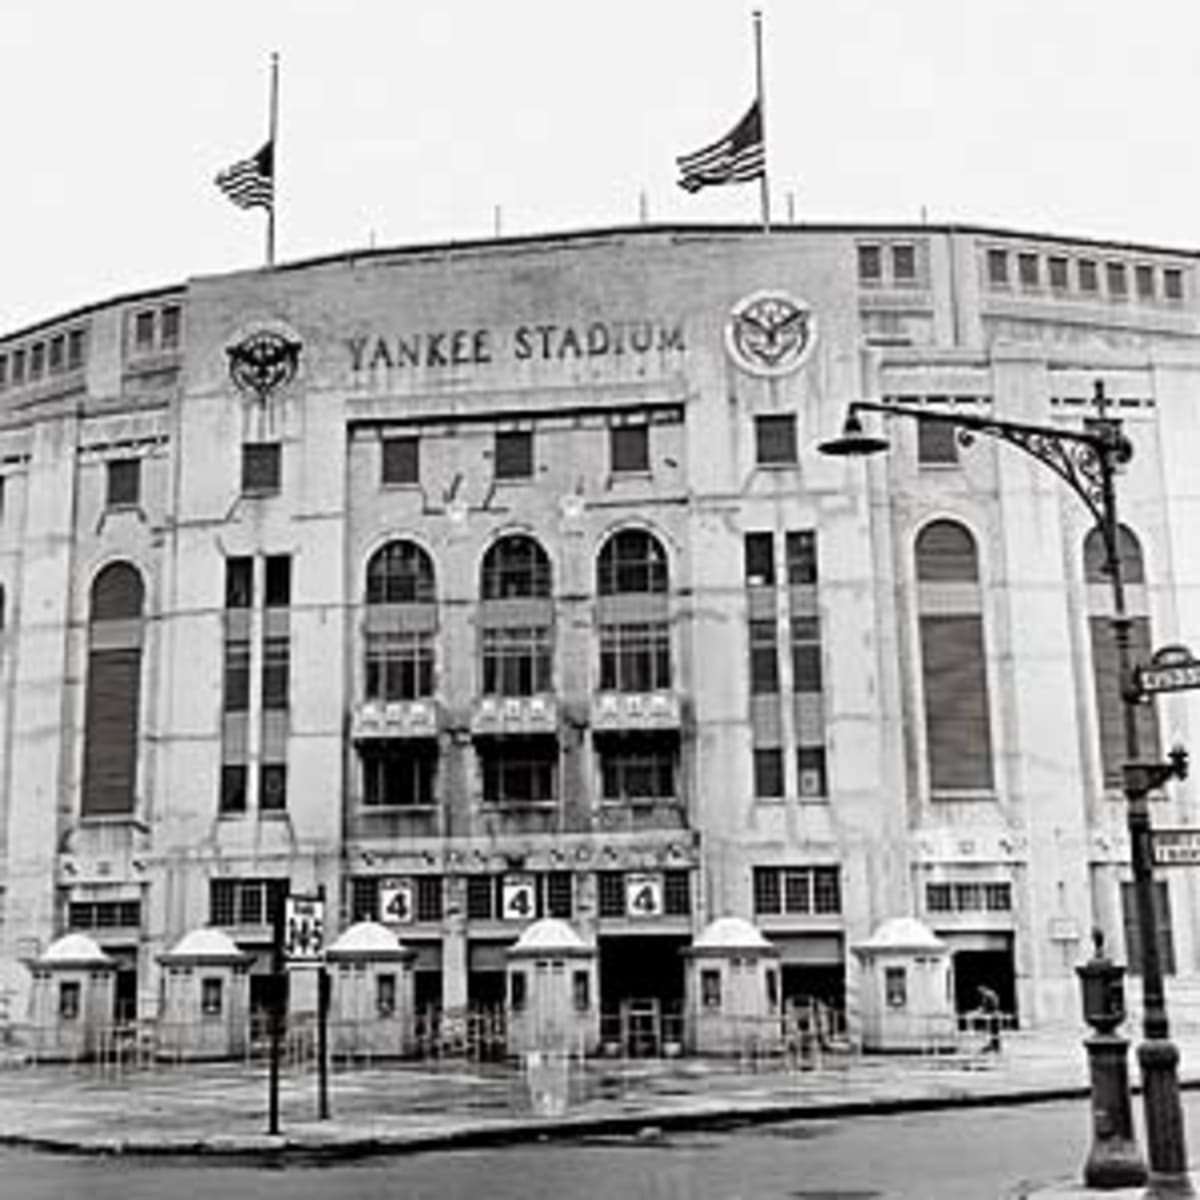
column 631, row 561
column 401, row 620
column 516, row 618
column 635, row 643
column 953, row 660
column 1109, row 704
column 113, row 691
column 400, row 573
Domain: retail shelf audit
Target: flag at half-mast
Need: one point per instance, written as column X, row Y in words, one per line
column 736, row 158
column 250, row 183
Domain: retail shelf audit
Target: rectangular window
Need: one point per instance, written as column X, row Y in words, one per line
column 364, row 898
column 559, row 895
column 399, row 777
column 516, row 660
column 677, row 894
column 3, row 371
column 806, row 655
column 1089, row 279
column 261, row 468
column 18, row 367
column 768, row 773
column 968, row 897
column 1143, row 276
column 519, row 771
column 1057, row 267
column 514, row 454
column 385, row 995
column 401, row 461
column 870, row 264
column 997, row 267
column 245, row 901
column 278, row 592
column 895, row 986
column 399, row 666
column 68, row 999
column 775, row 440
column 429, row 897
column 171, row 316
column 710, row 988
column 104, row 914
column 481, row 898
column 904, row 264
column 237, row 675
column 124, row 482
column 1027, row 270
column 37, row 360
column 764, row 658
column 58, row 357
column 629, row 448
column 233, row 788
column 797, row 891
column 581, row 993
column 637, row 769
column 635, row 658
column 957, row 722
column 937, row 444
column 759, row 554
column 997, row 897
column 801, row 553
column 143, row 331
column 239, row 582
column 1118, row 285
column 610, row 893
column 1162, row 927
column 211, row 997
column 1172, row 279
column 272, row 787
column 811, row 772
column 939, row 898
column 75, row 348
column 517, row 991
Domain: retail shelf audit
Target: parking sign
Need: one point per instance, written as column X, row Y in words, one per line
column 304, row 928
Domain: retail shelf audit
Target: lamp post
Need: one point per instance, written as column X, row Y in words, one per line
column 1087, row 461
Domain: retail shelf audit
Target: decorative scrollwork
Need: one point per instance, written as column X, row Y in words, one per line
column 263, row 361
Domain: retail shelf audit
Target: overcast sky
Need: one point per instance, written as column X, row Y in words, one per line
column 406, row 121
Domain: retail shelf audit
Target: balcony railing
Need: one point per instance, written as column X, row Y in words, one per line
column 622, row 711
column 386, row 720
column 514, row 715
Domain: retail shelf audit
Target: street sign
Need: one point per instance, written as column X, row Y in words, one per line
column 518, row 898
column 1172, row 669
column 304, row 929
column 1176, row 847
column 644, row 894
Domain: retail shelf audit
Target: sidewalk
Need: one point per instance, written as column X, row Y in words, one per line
column 395, row 1107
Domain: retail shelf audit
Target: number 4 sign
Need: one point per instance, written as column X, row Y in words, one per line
column 518, row 898
column 643, row 895
column 396, row 901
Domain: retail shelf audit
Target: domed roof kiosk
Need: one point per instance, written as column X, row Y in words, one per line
column 72, row 998
column 553, row 1000
column 732, row 988
column 371, row 1001
column 906, row 990
column 205, row 1011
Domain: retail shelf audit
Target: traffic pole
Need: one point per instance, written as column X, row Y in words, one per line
column 275, row 1016
column 322, row 1043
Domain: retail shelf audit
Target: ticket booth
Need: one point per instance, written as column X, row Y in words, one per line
column 552, row 991
column 906, row 988
column 371, row 997
column 72, row 998
column 205, row 1008
column 732, row 988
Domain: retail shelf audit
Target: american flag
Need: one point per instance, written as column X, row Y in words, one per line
column 251, row 182
column 736, row 158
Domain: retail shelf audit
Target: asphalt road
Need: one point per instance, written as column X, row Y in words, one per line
column 967, row 1154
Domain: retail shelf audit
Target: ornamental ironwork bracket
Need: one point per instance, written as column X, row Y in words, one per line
column 262, row 362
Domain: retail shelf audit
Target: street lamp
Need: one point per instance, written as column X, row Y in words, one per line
column 1087, row 461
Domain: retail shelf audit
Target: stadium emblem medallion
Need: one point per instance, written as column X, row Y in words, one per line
column 770, row 333
column 262, row 361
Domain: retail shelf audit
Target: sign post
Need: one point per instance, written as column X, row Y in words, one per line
column 275, row 1012
column 1171, row 669
column 305, row 946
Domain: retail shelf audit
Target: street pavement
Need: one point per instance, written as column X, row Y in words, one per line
column 221, row 1109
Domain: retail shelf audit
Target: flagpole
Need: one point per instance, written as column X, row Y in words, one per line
column 764, row 187
column 272, row 141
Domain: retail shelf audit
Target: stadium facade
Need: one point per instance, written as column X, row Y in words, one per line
column 479, row 582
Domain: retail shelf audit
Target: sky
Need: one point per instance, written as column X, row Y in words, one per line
column 404, row 122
